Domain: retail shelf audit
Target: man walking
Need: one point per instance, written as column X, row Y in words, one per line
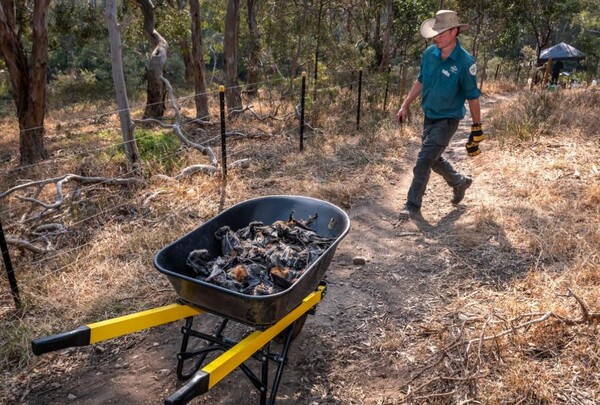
column 447, row 78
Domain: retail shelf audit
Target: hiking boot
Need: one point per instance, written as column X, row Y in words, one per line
column 459, row 191
column 409, row 213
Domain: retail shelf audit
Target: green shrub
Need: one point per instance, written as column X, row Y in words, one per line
column 157, row 148
column 72, row 87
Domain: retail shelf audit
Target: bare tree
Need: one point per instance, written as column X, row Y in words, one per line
column 155, row 103
column 318, row 44
column 116, row 59
column 296, row 57
column 254, row 59
column 230, row 45
column 387, row 34
column 27, row 76
column 201, row 97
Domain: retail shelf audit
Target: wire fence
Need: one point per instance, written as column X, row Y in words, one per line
column 288, row 106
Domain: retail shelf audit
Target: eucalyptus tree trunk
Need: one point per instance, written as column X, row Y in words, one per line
column 27, row 77
column 318, row 43
column 376, row 36
column 184, row 44
column 387, row 34
column 186, row 56
column 155, row 102
column 478, row 25
column 295, row 59
column 201, row 98
column 116, row 61
column 254, row 59
column 230, row 45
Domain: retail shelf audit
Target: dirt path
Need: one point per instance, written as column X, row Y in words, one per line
column 350, row 352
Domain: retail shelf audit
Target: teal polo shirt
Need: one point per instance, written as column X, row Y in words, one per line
column 447, row 83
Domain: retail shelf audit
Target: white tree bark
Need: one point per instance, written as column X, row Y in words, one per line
column 201, row 97
column 116, row 61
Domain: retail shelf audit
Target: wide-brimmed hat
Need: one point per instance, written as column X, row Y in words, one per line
column 443, row 21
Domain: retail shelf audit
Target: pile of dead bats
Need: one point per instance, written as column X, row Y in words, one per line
column 261, row 259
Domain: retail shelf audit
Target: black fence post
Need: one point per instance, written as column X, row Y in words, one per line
column 497, row 69
column 518, row 72
column 223, row 135
column 303, row 93
column 387, row 86
column 360, row 71
column 12, row 280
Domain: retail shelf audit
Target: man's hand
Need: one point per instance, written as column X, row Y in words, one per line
column 402, row 114
column 475, row 137
column 472, row 148
column 476, row 133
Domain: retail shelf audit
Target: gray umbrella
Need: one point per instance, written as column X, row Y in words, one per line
column 561, row 51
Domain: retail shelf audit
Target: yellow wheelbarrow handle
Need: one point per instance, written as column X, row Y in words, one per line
column 111, row 328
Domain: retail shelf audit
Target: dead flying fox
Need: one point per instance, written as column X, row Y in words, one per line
column 260, row 259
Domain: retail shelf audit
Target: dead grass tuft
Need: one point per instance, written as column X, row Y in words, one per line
column 501, row 86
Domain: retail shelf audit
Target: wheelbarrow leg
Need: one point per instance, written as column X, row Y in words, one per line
column 184, row 355
column 266, row 356
column 256, row 345
column 265, row 374
column 281, row 360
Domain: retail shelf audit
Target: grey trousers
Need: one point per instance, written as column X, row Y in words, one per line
column 435, row 139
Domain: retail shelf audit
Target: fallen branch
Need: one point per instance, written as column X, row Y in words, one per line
column 441, row 352
column 259, row 117
column 533, row 318
column 188, row 171
column 49, row 228
column 306, row 124
column 243, row 163
column 201, row 122
column 149, row 197
column 40, row 184
column 20, row 243
column 587, row 316
column 60, row 181
column 238, row 134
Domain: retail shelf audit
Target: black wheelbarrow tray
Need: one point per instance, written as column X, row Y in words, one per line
column 281, row 314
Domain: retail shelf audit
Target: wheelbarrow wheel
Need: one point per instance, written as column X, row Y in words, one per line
column 297, row 328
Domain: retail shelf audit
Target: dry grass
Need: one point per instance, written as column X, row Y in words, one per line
column 501, row 86
column 533, row 115
column 541, row 209
column 541, row 212
column 102, row 266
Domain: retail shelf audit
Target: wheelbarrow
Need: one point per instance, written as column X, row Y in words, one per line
column 279, row 315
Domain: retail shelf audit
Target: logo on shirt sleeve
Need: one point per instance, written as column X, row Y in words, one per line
column 473, row 69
